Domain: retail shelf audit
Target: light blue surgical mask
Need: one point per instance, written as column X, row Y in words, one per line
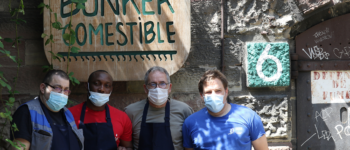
column 214, row 102
column 98, row 99
column 57, row 101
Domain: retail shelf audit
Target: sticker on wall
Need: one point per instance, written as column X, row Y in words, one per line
column 268, row 64
column 123, row 37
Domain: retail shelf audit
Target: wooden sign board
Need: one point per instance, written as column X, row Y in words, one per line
column 123, row 37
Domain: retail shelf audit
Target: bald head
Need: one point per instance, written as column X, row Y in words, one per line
column 100, row 81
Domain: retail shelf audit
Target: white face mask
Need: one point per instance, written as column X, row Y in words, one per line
column 158, row 96
column 98, row 99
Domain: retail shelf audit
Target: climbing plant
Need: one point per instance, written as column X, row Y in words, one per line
column 7, row 111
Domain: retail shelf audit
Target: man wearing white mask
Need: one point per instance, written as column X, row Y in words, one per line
column 222, row 125
column 104, row 126
column 151, row 117
column 45, row 123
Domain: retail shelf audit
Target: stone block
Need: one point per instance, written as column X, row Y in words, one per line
column 6, row 61
column 29, row 78
column 186, row 80
column 34, row 53
column 233, row 75
column 192, row 99
column 133, row 87
column 268, row 64
column 273, row 111
column 32, row 29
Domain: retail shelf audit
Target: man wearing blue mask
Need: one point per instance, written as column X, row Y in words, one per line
column 151, row 117
column 222, row 125
column 104, row 126
column 44, row 123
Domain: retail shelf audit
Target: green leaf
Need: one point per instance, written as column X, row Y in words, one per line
column 22, row 20
column 13, row 12
column 14, row 126
column 75, row 1
column 75, row 49
column 1, row 45
column 76, row 80
column 13, row 58
column 55, row 17
column 8, row 40
column 57, row 25
column 80, row 6
column 59, row 55
column 11, row 99
column 71, row 74
column 43, row 35
column 2, row 115
column 72, row 39
column 66, row 37
column 41, row 5
column 47, row 42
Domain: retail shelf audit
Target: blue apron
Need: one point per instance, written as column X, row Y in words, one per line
column 156, row 136
column 63, row 135
column 98, row 136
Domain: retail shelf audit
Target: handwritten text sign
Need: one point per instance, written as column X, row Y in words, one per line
column 123, row 37
column 330, row 86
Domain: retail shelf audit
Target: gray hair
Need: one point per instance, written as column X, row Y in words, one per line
column 156, row 68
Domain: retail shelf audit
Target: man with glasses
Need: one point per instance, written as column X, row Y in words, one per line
column 104, row 126
column 151, row 117
column 44, row 123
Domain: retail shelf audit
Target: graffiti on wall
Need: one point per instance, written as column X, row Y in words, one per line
column 268, row 64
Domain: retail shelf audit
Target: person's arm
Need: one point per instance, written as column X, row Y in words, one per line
column 125, row 145
column 20, row 141
column 260, row 143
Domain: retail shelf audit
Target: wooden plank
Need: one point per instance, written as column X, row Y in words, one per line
column 108, row 21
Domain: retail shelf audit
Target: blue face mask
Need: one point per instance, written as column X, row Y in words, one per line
column 57, row 101
column 98, row 99
column 214, row 102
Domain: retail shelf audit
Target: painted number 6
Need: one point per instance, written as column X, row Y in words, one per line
column 264, row 56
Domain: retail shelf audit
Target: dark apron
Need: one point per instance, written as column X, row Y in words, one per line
column 98, row 136
column 156, row 136
column 63, row 135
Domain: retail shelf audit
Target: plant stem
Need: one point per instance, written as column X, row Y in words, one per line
column 18, row 58
column 69, row 26
column 50, row 31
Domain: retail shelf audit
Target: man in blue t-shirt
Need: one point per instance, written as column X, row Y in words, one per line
column 222, row 126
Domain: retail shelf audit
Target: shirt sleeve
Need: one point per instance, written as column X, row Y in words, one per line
column 127, row 134
column 186, row 135
column 256, row 128
column 22, row 120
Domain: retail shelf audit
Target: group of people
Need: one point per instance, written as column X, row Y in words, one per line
column 155, row 123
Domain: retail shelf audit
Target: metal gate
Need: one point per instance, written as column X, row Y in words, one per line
column 322, row 67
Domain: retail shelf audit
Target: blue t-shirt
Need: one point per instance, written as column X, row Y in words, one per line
column 234, row 131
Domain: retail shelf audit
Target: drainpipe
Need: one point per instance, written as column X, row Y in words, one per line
column 222, row 35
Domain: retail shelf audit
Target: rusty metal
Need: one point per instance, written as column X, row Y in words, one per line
column 328, row 40
column 294, row 56
column 322, row 65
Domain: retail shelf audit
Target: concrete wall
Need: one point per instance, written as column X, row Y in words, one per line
column 245, row 21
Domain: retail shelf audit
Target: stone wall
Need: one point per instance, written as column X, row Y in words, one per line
column 245, row 21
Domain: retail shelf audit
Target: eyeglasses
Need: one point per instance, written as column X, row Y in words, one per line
column 58, row 89
column 154, row 85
